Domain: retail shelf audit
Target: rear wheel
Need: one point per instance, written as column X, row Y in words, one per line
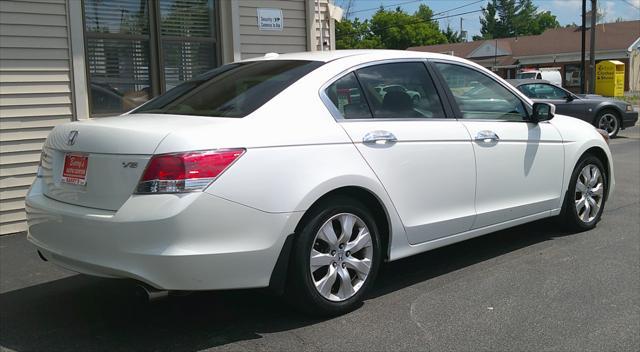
column 585, row 199
column 335, row 258
column 608, row 120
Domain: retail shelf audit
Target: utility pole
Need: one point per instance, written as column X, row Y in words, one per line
column 460, row 27
column 583, row 73
column 592, row 47
column 495, row 58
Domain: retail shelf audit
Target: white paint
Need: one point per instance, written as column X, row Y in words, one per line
column 231, row 235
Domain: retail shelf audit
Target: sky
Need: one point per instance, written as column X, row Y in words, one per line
column 567, row 11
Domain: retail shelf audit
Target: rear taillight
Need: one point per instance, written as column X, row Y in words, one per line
column 185, row 172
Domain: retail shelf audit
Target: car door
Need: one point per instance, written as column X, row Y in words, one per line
column 519, row 164
column 566, row 103
column 423, row 159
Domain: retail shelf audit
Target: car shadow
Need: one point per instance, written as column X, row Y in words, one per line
column 87, row 313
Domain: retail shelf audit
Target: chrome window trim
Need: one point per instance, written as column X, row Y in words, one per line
column 333, row 110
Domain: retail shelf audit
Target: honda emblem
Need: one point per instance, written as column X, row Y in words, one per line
column 71, row 139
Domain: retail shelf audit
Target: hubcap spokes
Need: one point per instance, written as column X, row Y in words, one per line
column 608, row 122
column 589, row 193
column 341, row 256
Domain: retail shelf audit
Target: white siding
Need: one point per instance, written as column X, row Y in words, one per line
column 254, row 42
column 35, row 95
column 327, row 26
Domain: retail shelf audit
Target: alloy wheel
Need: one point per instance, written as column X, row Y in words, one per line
column 341, row 257
column 609, row 123
column 589, row 193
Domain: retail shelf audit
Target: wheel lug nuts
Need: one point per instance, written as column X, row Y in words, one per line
column 344, row 265
column 348, row 253
column 334, row 264
column 341, row 246
column 333, row 253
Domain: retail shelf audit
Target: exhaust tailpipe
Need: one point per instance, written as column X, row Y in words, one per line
column 150, row 294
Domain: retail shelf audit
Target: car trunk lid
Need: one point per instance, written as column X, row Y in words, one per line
column 115, row 150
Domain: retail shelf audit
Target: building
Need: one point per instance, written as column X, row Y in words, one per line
column 63, row 60
column 559, row 47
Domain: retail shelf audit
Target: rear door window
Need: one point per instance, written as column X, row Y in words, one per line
column 400, row 90
column 346, row 95
column 233, row 90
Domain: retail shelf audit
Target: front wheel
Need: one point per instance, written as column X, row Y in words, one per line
column 608, row 121
column 584, row 202
column 335, row 258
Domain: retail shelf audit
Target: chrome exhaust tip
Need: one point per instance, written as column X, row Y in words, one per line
column 150, row 294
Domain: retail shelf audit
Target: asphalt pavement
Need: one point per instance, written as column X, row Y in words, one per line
column 530, row 288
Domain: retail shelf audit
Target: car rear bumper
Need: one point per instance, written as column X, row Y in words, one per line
column 629, row 119
column 194, row 241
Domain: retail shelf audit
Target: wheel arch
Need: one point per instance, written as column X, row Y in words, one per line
column 602, row 156
column 607, row 107
column 370, row 200
column 277, row 282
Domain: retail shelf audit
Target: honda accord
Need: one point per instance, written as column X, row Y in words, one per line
column 294, row 172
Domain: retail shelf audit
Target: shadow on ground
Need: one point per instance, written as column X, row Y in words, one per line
column 86, row 313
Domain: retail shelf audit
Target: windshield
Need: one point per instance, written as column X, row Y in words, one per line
column 526, row 75
column 233, row 90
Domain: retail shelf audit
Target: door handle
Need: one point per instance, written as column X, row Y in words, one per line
column 487, row 137
column 379, row 137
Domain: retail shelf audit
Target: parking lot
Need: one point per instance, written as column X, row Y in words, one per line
column 528, row 288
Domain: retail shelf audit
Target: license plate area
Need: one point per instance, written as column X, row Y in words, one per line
column 74, row 170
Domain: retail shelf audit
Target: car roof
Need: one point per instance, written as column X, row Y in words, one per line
column 331, row 55
column 519, row 82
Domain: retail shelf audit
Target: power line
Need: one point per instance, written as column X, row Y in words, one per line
column 387, row 6
column 630, row 4
column 459, row 7
column 412, row 1
column 410, row 23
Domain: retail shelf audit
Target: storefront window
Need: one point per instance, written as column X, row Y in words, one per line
column 572, row 75
column 137, row 49
column 188, row 41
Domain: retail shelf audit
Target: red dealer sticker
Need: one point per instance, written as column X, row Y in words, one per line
column 75, row 169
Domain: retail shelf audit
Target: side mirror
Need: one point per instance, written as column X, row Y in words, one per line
column 542, row 112
column 569, row 97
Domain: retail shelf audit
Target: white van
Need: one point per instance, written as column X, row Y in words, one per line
column 551, row 74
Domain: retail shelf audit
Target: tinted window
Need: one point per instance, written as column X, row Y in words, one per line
column 234, row 90
column 480, row 97
column 526, row 75
column 542, row 91
column 346, row 95
column 400, row 90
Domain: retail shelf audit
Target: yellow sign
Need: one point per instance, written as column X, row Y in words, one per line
column 610, row 78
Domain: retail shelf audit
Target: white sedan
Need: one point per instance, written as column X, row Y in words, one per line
column 291, row 172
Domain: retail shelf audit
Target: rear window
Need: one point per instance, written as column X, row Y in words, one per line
column 233, row 90
column 526, row 75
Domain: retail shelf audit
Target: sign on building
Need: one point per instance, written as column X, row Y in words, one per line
column 270, row 19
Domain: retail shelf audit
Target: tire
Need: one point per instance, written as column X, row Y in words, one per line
column 609, row 121
column 573, row 215
column 304, row 286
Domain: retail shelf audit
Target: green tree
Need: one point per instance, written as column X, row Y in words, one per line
column 356, row 34
column 543, row 21
column 390, row 29
column 452, row 36
column 489, row 23
column 509, row 18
